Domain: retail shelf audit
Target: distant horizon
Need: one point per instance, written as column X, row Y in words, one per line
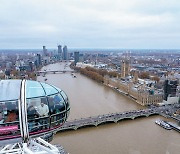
column 92, row 48
column 88, row 49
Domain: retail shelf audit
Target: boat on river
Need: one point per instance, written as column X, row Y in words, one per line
column 163, row 124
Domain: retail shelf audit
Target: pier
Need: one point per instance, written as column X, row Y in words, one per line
column 174, row 126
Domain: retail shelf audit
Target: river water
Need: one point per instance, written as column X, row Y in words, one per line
column 88, row 98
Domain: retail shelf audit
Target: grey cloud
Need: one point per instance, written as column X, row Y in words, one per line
column 90, row 23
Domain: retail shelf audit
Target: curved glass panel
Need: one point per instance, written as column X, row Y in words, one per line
column 8, row 91
column 34, row 89
column 56, row 104
column 65, row 98
column 56, row 88
column 58, row 119
column 64, row 95
column 9, row 118
column 57, row 109
column 37, row 114
column 49, row 89
column 68, row 113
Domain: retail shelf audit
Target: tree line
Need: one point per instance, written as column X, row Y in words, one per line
column 95, row 74
column 146, row 75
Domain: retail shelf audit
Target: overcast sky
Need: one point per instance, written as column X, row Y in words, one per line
column 90, row 23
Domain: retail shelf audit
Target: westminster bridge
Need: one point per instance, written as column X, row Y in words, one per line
column 115, row 117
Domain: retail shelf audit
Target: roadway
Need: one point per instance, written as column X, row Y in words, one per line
column 115, row 117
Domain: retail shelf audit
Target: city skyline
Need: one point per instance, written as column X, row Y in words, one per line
column 90, row 24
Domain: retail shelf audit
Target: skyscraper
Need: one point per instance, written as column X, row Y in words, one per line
column 65, row 53
column 170, row 87
column 44, row 51
column 38, row 59
column 76, row 57
column 59, row 52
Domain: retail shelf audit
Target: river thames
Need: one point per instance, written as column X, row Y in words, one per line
column 89, row 98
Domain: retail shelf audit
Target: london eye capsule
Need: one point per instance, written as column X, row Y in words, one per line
column 30, row 109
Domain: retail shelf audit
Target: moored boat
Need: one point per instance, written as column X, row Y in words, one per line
column 163, row 124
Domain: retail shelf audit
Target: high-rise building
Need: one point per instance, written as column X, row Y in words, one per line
column 76, row 57
column 39, row 59
column 59, row 52
column 81, row 57
column 170, row 87
column 65, row 53
column 125, row 68
column 31, row 66
column 44, row 51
